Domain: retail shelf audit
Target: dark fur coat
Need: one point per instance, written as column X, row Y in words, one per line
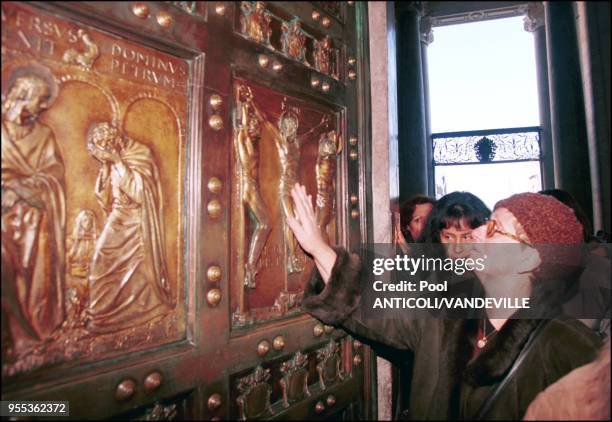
column 447, row 383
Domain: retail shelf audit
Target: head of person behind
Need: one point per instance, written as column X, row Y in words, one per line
column 452, row 220
column 413, row 215
column 567, row 198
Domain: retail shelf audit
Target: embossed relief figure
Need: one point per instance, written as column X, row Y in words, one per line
column 330, row 145
column 255, row 21
column 128, row 279
column 82, row 243
column 247, row 139
column 322, row 55
column 33, row 212
column 294, row 40
column 288, row 144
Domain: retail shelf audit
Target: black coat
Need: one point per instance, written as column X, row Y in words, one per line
column 446, row 382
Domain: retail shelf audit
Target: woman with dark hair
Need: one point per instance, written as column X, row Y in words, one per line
column 413, row 215
column 452, row 220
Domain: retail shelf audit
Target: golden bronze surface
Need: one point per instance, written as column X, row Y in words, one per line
column 319, row 407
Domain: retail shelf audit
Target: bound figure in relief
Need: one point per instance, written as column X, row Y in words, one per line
column 128, row 276
column 33, row 212
column 255, row 21
column 288, row 144
column 330, row 145
column 82, row 243
column 322, row 55
column 294, row 40
column 247, row 137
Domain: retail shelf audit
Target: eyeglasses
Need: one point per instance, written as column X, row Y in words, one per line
column 492, row 228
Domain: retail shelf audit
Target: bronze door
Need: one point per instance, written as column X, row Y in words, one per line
column 148, row 149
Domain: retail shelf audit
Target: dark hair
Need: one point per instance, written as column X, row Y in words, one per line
column 407, row 209
column 450, row 211
column 570, row 201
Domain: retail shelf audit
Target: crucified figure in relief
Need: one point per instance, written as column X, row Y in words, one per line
column 246, row 139
column 288, row 144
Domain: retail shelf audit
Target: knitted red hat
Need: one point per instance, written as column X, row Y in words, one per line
column 551, row 227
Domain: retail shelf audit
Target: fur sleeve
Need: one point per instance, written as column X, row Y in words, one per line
column 333, row 303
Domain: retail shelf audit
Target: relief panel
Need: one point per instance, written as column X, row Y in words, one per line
column 256, row 22
column 93, row 140
column 278, row 141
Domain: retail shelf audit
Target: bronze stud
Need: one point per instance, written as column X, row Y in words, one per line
column 354, row 199
column 355, row 214
column 357, row 344
column 152, row 381
column 352, row 61
column 352, row 75
column 331, row 400
column 215, row 122
column 263, row 60
column 214, row 208
column 277, row 67
column 220, row 9
column 213, row 297
column 319, row 407
column 141, row 10
column 316, row 15
column 164, row 19
column 353, row 141
column 357, row 360
column 215, row 101
column 263, row 347
column 213, row 274
column 325, row 87
column 328, row 329
column 125, row 390
column 318, row 330
column 214, row 185
column 214, row 401
column 278, row 343
column 315, row 82
column 325, row 22
column 353, row 154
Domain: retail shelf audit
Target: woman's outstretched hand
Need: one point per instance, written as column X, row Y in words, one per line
column 307, row 232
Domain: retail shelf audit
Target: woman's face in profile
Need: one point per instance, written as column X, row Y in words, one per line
column 503, row 253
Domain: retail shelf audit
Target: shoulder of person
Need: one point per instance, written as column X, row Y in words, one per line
column 566, row 344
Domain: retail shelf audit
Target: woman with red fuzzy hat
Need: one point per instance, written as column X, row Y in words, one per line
column 470, row 369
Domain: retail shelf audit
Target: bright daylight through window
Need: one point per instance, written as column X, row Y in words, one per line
column 483, row 85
